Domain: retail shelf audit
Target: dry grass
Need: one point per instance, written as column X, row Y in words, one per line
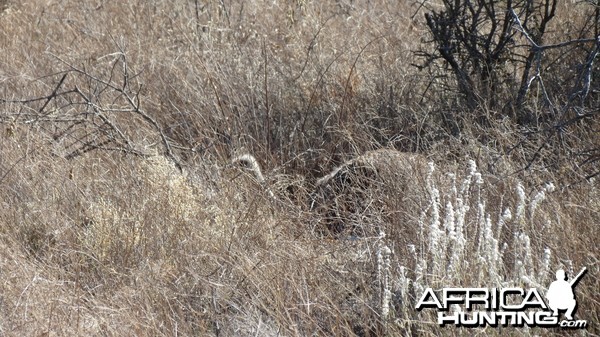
column 101, row 233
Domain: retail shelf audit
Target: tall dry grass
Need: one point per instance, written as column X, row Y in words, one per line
column 101, row 232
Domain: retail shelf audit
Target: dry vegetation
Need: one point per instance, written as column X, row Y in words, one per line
column 121, row 214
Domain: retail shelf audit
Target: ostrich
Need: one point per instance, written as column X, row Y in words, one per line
column 250, row 163
column 354, row 195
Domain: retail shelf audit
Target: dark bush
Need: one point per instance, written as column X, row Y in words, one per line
column 494, row 53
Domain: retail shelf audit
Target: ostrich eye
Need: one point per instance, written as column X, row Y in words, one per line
column 244, row 164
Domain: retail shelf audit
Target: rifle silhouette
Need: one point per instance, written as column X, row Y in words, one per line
column 578, row 277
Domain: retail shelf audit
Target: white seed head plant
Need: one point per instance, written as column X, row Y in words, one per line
column 469, row 234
